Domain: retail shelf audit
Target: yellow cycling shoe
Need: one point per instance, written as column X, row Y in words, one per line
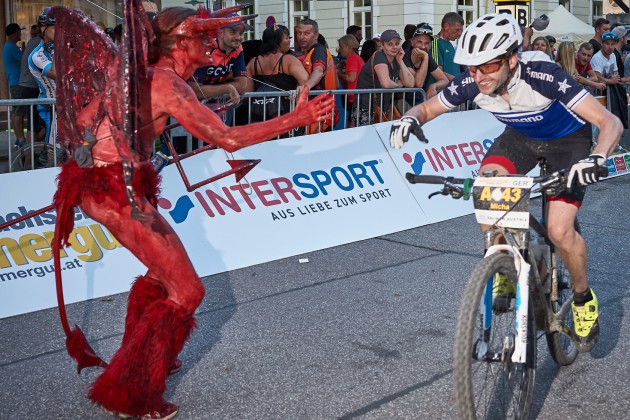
column 586, row 324
column 502, row 292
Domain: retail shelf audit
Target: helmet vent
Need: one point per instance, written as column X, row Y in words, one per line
column 501, row 40
column 485, row 42
column 471, row 44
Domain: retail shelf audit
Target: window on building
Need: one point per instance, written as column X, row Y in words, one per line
column 467, row 9
column 567, row 5
column 361, row 15
column 249, row 10
column 298, row 10
column 597, row 11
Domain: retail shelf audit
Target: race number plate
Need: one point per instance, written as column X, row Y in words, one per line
column 495, row 196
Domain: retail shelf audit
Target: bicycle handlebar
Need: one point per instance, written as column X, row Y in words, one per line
column 560, row 178
column 452, row 185
column 432, row 179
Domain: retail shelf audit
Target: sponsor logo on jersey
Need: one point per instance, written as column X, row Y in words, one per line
column 533, row 118
column 539, row 75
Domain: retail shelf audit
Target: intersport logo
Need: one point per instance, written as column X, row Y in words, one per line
column 445, row 158
column 238, row 198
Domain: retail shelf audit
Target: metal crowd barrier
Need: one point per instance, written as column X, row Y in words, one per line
column 34, row 154
column 342, row 99
column 38, row 154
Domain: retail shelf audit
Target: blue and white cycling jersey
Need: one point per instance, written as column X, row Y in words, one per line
column 39, row 62
column 541, row 96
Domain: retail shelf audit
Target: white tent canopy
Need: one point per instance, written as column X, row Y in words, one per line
column 565, row 27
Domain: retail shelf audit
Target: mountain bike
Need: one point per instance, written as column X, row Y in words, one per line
column 494, row 358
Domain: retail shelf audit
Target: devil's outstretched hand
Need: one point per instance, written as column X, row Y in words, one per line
column 315, row 110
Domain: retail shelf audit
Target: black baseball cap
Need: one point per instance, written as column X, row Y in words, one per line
column 389, row 34
column 12, row 28
column 423, row 29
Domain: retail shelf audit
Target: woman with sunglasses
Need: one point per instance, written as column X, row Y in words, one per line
column 386, row 69
column 546, row 113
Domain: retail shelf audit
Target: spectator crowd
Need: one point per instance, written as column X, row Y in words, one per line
column 422, row 58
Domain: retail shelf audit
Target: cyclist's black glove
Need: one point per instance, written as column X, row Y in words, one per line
column 401, row 130
column 586, row 171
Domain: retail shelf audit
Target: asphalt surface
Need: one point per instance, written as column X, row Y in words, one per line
column 363, row 330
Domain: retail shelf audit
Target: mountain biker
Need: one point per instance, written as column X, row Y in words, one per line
column 42, row 66
column 546, row 114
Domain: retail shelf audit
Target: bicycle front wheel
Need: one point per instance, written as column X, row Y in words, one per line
column 488, row 385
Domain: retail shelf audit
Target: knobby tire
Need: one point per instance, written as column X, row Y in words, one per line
column 492, row 389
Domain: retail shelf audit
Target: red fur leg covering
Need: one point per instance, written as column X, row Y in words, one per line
column 135, row 380
column 144, row 292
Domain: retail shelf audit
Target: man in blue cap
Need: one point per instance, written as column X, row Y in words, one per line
column 604, row 62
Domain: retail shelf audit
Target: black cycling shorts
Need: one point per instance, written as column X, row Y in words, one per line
column 518, row 155
column 26, row 93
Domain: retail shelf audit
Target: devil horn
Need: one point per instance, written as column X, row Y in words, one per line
column 199, row 25
column 228, row 10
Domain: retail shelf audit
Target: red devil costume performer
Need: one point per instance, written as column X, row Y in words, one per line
column 111, row 106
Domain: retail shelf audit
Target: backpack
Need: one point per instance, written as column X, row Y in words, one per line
column 266, row 107
column 330, row 82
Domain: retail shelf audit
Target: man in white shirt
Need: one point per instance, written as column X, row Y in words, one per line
column 604, row 62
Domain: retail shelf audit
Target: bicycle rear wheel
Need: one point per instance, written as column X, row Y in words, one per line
column 563, row 350
column 488, row 385
column 37, row 156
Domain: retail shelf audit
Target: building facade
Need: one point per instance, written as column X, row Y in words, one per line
column 333, row 16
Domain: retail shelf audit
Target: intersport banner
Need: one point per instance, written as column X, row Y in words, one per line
column 307, row 194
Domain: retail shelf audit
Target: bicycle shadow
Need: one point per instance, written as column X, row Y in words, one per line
column 605, row 282
column 546, row 374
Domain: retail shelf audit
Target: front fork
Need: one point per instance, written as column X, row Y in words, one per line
column 519, row 342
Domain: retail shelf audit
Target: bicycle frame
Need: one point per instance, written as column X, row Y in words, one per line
column 520, row 248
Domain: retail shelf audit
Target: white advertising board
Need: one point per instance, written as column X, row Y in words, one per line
column 307, row 194
column 95, row 265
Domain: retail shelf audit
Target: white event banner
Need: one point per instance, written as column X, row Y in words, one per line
column 306, row 194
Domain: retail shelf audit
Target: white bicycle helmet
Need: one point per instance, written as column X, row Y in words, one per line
column 487, row 38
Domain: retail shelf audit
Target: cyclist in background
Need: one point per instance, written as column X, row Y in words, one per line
column 41, row 65
column 546, row 113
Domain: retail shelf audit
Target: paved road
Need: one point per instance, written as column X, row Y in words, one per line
column 360, row 331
